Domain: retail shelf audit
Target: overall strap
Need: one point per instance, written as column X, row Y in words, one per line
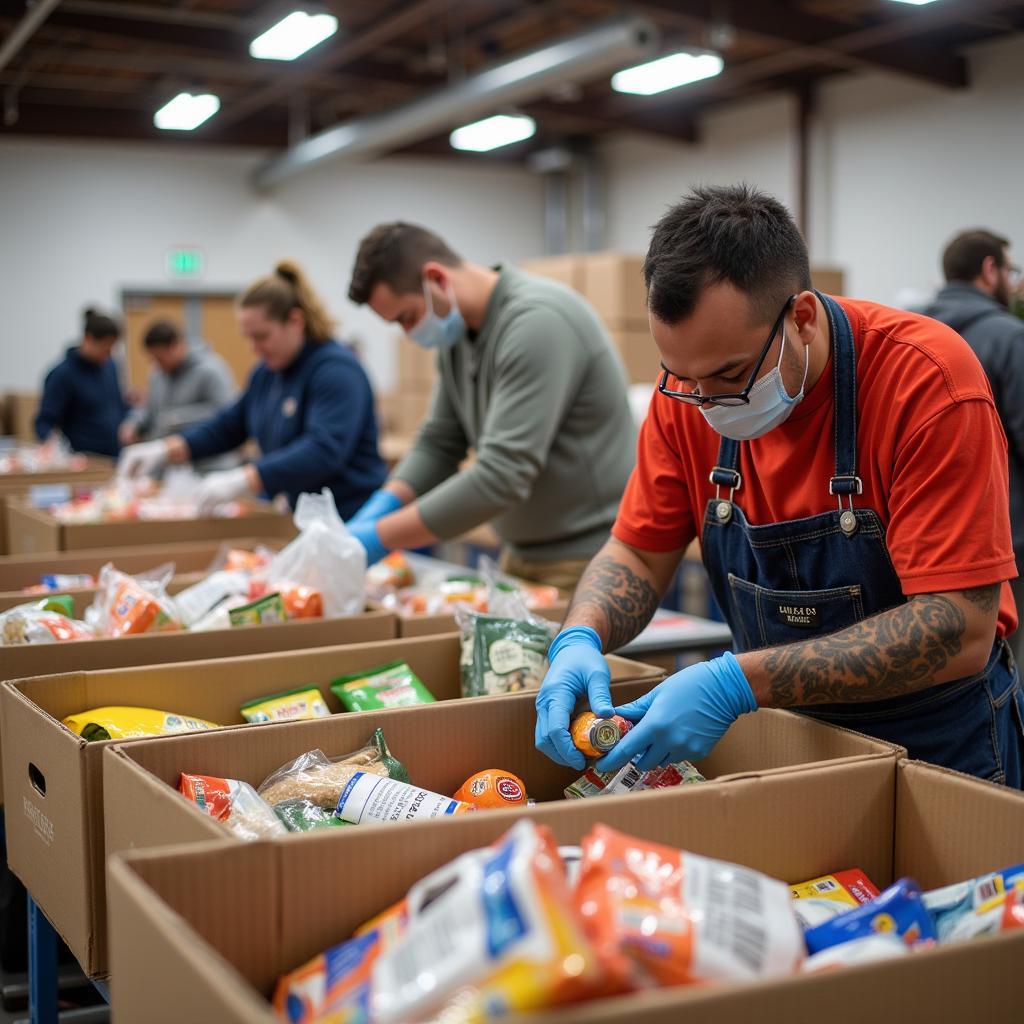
column 844, row 382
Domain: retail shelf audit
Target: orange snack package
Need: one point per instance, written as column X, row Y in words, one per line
column 660, row 916
column 493, row 788
column 134, row 610
column 301, row 602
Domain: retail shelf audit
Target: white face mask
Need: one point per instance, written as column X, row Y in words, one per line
column 769, row 404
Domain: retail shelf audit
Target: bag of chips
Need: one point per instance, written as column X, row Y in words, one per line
column 394, row 685
column 41, row 623
column 235, row 804
column 130, row 605
column 661, row 916
column 299, row 705
column 122, row 723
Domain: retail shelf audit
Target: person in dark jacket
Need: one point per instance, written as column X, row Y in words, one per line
column 81, row 395
column 980, row 280
column 308, row 404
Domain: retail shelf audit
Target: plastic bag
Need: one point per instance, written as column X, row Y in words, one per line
column 503, row 653
column 196, row 602
column 661, row 916
column 297, row 705
column 121, row 723
column 33, row 624
column 129, row 605
column 394, row 685
column 324, row 557
column 233, row 803
column 305, row 792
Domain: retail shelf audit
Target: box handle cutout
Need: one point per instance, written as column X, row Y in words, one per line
column 37, row 778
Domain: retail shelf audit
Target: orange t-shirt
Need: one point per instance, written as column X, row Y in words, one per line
column 930, row 451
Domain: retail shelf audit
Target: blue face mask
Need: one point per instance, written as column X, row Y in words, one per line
column 435, row 331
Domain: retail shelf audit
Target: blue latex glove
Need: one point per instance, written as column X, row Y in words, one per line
column 577, row 669
column 684, row 717
column 366, row 534
column 377, row 505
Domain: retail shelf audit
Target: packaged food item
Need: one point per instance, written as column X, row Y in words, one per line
column 898, row 911
column 301, row 602
column 493, row 788
column 121, row 723
column 498, row 937
column 953, row 902
column 306, row 791
column 130, row 605
column 594, row 737
column 300, row 704
column 27, row 624
column 394, row 685
column 233, row 803
column 661, row 916
column 333, row 987
column 240, row 560
column 823, row 898
column 1003, row 913
column 67, row 581
column 196, row 602
column 868, row 950
column 502, row 655
column 392, row 572
column 267, row 610
column 629, row 779
column 370, row 798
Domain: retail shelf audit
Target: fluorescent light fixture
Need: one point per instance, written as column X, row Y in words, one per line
column 493, row 132
column 668, row 72
column 293, row 36
column 916, row 3
column 186, row 111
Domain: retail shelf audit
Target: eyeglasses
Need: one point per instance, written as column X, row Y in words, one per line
column 1014, row 274
column 738, row 398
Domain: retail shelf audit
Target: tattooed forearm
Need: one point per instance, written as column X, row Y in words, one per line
column 618, row 601
column 900, row 650
column 986, row 598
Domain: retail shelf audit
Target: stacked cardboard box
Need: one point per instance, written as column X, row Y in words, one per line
column 22, row 407
column 201, row 933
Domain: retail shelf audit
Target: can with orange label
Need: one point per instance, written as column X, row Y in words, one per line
column 595, row 736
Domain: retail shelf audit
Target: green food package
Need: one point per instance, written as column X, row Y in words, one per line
column 303, row 816
column 267, row 610
column 63, row 604
column 394, row 685
column 502, row 655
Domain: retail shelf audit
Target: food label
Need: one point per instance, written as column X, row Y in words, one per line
column 371, row 798
column 506, row 656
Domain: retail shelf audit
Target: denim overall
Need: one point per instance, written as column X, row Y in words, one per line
column 796, row 580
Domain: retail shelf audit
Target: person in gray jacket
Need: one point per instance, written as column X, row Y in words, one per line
column 980, row 280
column 189, row 384
column 529, row 380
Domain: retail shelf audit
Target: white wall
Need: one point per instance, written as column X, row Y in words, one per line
column 898, row 167
column 79, row 222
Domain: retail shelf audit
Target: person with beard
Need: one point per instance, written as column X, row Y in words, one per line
column 975, row 302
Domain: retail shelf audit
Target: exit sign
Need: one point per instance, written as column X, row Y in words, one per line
column 185, row 262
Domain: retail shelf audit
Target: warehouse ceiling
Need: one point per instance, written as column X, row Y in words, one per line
column 100, row 68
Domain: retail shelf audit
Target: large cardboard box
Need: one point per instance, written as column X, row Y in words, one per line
column 411, row 412
column 54, row 787
column 566, row 269
column 22, row 407
column 613, row 283
column 417, row 368
column 190, row 941
column 192, row 561
column 829, row 280
column 640, row 355
column 31, row 530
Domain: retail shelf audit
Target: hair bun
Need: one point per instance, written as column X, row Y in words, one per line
column 288, row 271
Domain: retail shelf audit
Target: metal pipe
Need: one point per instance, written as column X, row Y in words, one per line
column 517, row 80
column 556, row 213
column 34, row 17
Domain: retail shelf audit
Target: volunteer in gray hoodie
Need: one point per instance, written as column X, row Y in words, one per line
column 188, row 385
column 975, row 302
column 529, row 380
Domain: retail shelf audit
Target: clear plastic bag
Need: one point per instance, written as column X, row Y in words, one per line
column 233, row 803
column 324, row 557
column 129, row 605
column 31, row 624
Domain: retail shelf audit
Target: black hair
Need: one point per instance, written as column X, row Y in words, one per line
column 963, row 257
column 161, row 334
column 99, row 326
column 394, row 254
column 733, row 233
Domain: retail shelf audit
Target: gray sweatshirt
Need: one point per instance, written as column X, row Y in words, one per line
column 540, row 394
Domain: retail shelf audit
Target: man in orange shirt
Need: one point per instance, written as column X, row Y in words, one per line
column 846, row 470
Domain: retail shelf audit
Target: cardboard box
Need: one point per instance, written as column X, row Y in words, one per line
column 613, row 283
column 192, row 561
column 639, row 355
column 31, row 530
column 56, row 825
column 829, row 280
column 417, row 368
column 566, row 269
column 22, row 407
column 189, row 941
column 431, row 625
column 412, row 411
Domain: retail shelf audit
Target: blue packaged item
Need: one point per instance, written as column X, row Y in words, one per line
column 953, row 902
column 900, row 910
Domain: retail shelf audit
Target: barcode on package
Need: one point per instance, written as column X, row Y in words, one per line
column 826, row 885
column 433, row 943
column 735, row 903
column 988, row 889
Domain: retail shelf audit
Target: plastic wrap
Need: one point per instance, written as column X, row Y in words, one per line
column 30, row 624
column 130, row 605
column 233, row 803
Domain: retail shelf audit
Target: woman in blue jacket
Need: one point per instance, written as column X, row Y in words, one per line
column 81, row 395
column 308, row 405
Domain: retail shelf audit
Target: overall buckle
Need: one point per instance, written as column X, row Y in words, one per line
column 721, row 477
column 848, row 485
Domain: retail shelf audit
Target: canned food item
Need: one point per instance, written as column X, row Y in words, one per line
column 595, row 736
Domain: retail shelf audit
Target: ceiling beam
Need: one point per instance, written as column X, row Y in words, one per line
column 173, row 15
column 24, row 30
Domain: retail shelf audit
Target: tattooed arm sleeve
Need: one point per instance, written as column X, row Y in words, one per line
column 933, row 638
column 620, row 590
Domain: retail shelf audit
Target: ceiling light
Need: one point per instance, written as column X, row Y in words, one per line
column 668, row 72
column 916, row 3
column 293, row 36
column 493, row 132
column 186, row 111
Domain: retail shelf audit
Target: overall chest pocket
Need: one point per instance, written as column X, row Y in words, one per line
column 764, row 618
